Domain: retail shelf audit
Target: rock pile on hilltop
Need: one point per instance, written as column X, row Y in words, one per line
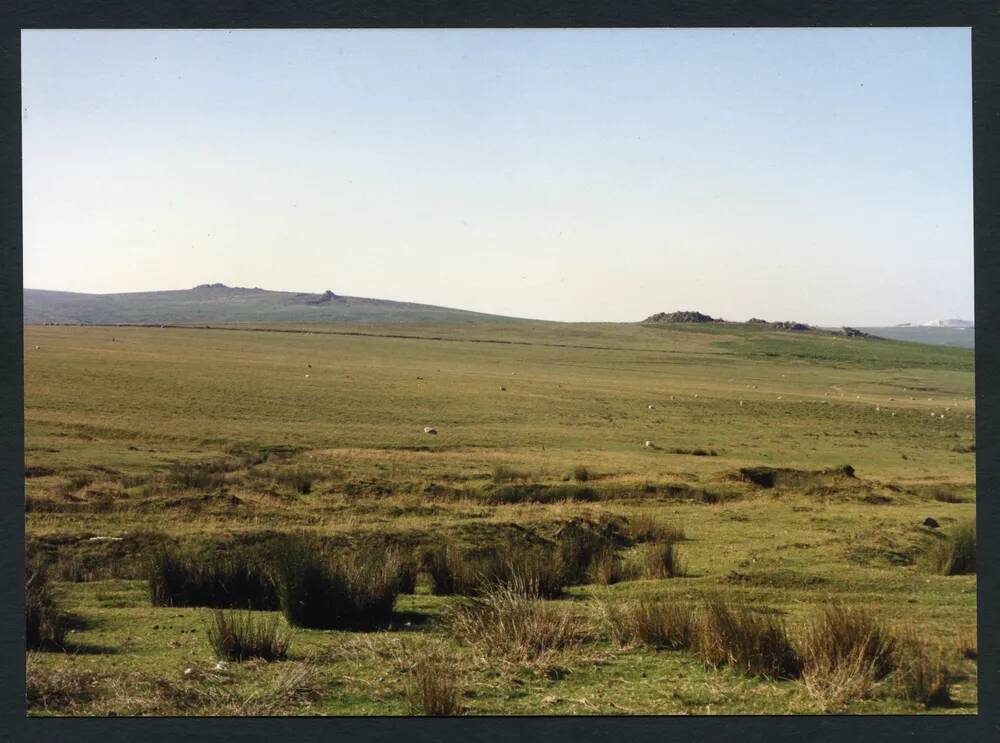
column 683, row 316
column 855, row 333
column 780, row 325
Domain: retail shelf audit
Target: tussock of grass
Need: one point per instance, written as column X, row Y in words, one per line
column 299, row 479
column 946, row 495
column 74, row 484
column 507, row 622
column 433, row 687
column 659, row 623
column 176, row 579
column 46, row 623
column 454, row 571
column 660, row 560
column 956, row 554
column 503, row 473
column 753, row 643
column 241, row 635
column 206, row 475
column 355, row 592
column 845, row 652
column 582, row 552
column 607, row 568
column 923, row 677
column 837, row 633
column 966, row 645
column 646, row 527
column 580, row 473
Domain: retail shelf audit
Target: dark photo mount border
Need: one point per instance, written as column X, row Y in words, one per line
column 984, row 19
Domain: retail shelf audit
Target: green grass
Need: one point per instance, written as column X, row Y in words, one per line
column 204, row 441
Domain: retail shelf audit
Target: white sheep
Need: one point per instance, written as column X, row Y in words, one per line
column 649, row 407
column 431, row 430
column 649, row 445
column 741, row 403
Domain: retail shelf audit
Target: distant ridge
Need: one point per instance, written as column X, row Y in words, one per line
column 220, row 303
column 949, row 323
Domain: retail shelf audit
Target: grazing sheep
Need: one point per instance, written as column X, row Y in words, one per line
column 649, row 445
column 878, row 409
column 431, row 430
column 37, row 348
column 649, row 407
column 741, row 403
column 893, row 414
column 779, row 397
column 307, row 376
column 942, row 416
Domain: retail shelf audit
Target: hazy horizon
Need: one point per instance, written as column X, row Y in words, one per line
column 816, row 175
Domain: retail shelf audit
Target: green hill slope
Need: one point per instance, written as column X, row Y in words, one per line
column 220, row 303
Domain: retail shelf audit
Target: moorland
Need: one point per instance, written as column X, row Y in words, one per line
column 497, row 517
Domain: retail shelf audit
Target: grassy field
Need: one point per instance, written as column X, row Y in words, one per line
column 216, row 441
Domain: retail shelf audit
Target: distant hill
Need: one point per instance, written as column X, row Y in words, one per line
column 949, row 323
column 957, row 337
column 220, row 303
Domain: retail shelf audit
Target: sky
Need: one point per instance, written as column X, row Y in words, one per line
column 816, row 175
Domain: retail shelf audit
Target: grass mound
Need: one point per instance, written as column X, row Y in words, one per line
column 538, row 493
column 242, row 635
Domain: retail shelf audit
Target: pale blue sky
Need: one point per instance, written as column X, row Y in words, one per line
column 823, row 176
